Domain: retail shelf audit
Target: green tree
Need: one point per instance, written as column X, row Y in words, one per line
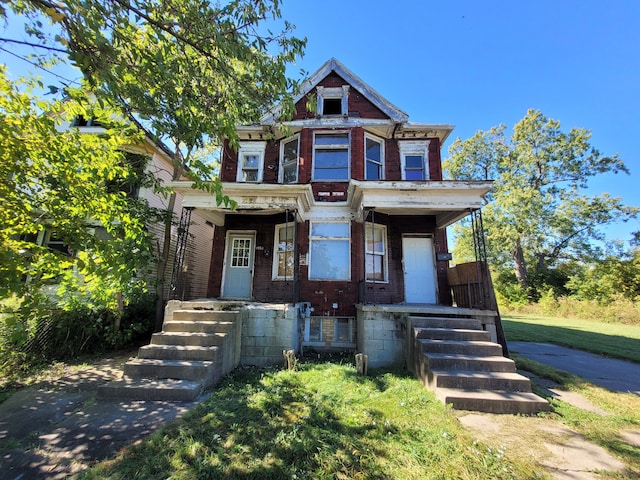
column 66, row 185
column 189, row 70
column 538, row 213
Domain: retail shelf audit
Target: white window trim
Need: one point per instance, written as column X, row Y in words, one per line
column 414, row 147
column 385, row 254
column 324, row 93
column 312, row 238
column 274, row 268
column 331, row 147
column 382, row 156
column 281, row 168
column 251, row 148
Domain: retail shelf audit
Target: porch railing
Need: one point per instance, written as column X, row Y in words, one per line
column 472, row 287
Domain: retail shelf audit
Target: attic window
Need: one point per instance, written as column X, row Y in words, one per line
column 332, row 106
column 333, row 100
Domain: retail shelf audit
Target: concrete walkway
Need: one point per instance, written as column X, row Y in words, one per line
column 615, row 375
column 58, row 428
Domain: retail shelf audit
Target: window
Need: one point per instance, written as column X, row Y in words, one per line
column 313, row 329
column 283, row 257
column 376, row 253
column 333, row 100
column 343, row 330
column 374, row 158
column 330, row 251
column 289, row 160
column 241, row 252
column 331, row 156
column 413, row 157
column 250, row 161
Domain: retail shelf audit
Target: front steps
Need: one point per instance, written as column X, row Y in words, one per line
column 457, row 359
column 194, row 350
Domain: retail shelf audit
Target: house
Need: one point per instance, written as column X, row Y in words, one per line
column 337, row 242
column 340, row 206
column 190, row 254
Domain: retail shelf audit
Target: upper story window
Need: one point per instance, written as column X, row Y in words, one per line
column 331, row 156
column 330, row 249
column 333, row 100
column 250, row 161
column 81, row 121
column 289, row 153
column 374, row 158
column 414, row 159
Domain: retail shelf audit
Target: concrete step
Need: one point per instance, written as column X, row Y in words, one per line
column 217, row 315
column 179, row 352
column 188, row 338
column 197, row 326
column 150, row 389
column 478, row 380
column 493, row 401
column 442, row 322
column 178, row 369
column 488, row 349
column 445, row 361
column 452, row 334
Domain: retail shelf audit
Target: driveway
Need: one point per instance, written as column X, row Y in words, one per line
column 615, row 375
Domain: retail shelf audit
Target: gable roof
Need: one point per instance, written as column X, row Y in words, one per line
column 333, row 65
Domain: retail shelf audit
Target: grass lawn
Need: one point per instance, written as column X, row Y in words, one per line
column 611, row 339
column 322, row 421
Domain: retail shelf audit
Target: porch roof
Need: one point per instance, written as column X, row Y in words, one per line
column 447, row 200
column 253, row 198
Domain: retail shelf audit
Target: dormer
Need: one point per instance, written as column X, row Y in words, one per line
column 333, row 101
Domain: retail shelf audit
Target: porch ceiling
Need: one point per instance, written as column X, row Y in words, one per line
column 251, row 198
column 447, row 200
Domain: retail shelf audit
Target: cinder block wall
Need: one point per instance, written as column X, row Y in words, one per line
column 381, row 336
column 267, row 330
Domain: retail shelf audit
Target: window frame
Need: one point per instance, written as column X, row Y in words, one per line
column 414, row 148
column 333, row 93
column 317, row 238
column 247, row 149
column 276, row 252
column 384, row 254
column 333, row 147
column 297, row 161
column 368, row 136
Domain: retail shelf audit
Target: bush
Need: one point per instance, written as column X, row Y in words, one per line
column 32, row 336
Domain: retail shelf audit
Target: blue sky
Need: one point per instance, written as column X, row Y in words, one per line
column 477, row 64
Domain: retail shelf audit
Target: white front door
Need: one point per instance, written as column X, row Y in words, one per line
column 419, row 270
column 238, row 270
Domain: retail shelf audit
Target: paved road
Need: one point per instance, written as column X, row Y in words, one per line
column 616, row 375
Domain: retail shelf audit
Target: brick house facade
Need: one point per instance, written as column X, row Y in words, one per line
column 341, row 206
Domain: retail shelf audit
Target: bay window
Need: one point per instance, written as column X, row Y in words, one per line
column 330, row 253
column 376, row 253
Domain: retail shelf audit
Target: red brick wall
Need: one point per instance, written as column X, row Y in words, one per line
column 435, row 163
column 358, row 105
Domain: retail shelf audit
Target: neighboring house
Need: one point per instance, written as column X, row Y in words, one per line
column 339, row 207
column 190, row 255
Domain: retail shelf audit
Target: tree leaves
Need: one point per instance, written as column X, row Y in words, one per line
column 537, row 203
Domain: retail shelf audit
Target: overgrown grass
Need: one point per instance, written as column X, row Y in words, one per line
column 322, row 421
column 611, row 339
column 623, row 413
column 619, row 311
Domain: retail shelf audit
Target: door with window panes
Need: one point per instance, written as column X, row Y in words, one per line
column 238, row 274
